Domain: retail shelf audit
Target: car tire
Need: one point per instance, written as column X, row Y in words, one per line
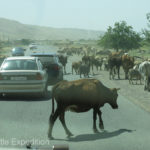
column 1, row 95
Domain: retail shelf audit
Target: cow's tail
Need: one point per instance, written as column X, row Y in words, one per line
column 53, row 106
column 53, row 97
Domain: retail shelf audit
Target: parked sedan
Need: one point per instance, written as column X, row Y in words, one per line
column 23, row 75
column 54, row 68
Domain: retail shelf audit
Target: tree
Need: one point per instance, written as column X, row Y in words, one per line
column 120, row 37
column 146, row 32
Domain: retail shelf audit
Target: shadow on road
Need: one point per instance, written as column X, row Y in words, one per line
column 97, row 136
column 23, row 97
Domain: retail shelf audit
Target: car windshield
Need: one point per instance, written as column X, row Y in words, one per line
column 76, row 73
column 19, row 65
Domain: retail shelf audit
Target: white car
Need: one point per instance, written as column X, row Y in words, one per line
column 23, row 74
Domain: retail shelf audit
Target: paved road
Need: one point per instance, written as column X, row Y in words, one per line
column 26, row 118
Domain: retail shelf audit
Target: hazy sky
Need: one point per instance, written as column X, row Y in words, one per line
column 85, row 14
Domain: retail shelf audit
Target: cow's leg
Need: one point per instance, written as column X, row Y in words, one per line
column 130, row 80
column 94, row 120
column 65, row 69
column 113, row 73
column 101, row 125
column 110, row 73
column 76, row 71
column 140, row 81
column 80, row 75
column 52, row 120
column 97, row 67
column 72, row 70
column 100, row 67
column 118, row 69
column 88, row 75
column 136, row 81
column 92, row 68
column 62, row 120
column 145, row 84
column 126, row 74
column 114, row 70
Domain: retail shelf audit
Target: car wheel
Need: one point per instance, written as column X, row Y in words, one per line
column 1, row 95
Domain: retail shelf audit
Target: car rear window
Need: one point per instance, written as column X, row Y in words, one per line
column 17, row 50
column 19, row 65
column 47, row 59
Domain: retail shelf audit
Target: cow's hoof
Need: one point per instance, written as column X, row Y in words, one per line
column 69, row 134
column 95, row 131
column 101, row 126
column 50, row 137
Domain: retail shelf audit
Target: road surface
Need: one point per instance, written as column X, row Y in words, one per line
column 25, row 118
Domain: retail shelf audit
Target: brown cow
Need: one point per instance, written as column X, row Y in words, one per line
column 127, row 63
column 86, row 59
column 80, row 96
column 63, row 61
column 84, row 69
column 76, row 66
column 114, row 62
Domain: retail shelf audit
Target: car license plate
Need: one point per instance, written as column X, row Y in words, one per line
column 18, row 78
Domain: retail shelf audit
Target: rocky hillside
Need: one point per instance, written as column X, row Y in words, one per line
column 15, row 30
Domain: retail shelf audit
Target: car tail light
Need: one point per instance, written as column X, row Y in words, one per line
column 56, row 67
column 38, row 76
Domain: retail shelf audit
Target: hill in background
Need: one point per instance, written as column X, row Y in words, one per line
column 10, row 29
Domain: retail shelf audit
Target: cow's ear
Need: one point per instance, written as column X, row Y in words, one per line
column 117, row 89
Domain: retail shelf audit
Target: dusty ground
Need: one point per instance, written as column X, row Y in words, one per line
column 134, row 93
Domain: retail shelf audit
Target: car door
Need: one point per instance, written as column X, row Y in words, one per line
column 42, row 69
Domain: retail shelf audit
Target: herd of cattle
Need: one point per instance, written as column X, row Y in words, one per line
column 133, row 69
column 85, row 94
